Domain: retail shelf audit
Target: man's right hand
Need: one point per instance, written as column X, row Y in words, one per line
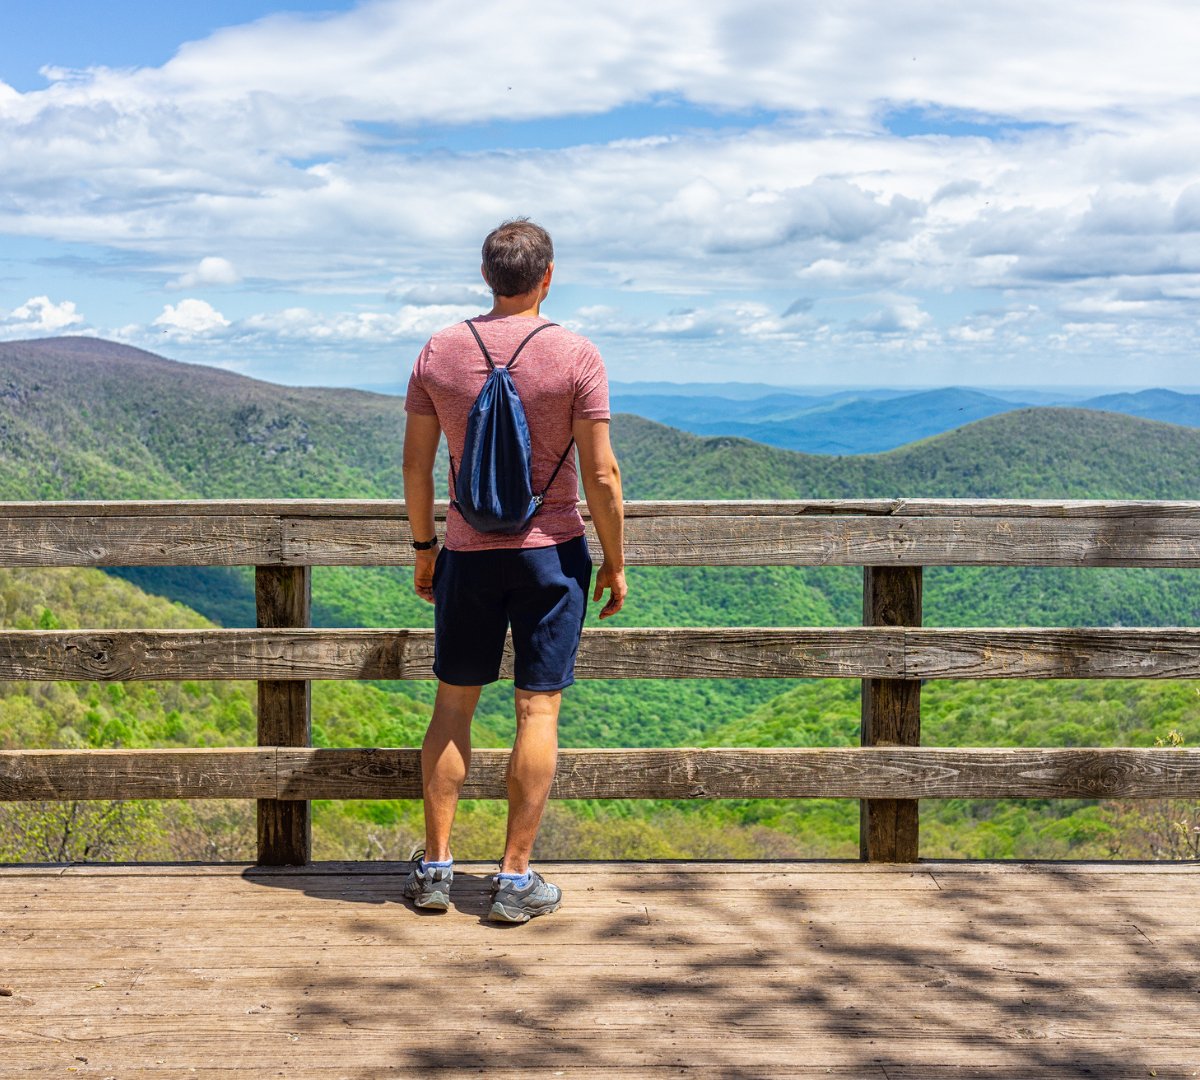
column 614, row 580
column 423, row 573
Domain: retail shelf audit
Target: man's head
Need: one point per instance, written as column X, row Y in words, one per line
column 516, row 256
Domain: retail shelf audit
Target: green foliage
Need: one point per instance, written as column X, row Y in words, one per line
column 93, row 420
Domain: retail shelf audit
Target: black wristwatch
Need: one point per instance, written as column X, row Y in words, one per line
column 425, row 545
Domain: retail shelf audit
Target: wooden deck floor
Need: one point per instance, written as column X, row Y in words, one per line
column 729, row 970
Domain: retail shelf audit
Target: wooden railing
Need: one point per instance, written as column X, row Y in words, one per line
column 892, row 539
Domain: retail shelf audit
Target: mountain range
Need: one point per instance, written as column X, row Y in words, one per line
column 867, row 422
column 86, row 419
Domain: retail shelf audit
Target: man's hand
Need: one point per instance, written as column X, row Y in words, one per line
column 423, row 573
column 614, row 581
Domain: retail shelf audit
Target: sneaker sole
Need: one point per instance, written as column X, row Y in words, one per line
column 432, row 902
column 502, row 914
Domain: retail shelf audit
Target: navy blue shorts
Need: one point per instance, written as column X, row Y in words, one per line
column 541, row 592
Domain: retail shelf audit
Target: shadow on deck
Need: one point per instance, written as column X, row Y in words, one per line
column 709, row 970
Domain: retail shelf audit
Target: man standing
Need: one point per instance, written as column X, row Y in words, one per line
column 535, row 581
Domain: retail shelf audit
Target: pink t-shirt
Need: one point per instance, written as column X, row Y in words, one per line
column 560, row 378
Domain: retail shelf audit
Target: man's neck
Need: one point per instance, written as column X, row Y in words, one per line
column 527, row 306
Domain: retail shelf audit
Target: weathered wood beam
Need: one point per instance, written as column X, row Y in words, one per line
column 408, row 654
column 283, row 598
column 741, row 535
column 394, row 508
column 778, row 540
column 676, row 652
column 891, row 714
column 879, row 772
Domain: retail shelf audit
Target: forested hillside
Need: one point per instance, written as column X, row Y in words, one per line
column 87, row 419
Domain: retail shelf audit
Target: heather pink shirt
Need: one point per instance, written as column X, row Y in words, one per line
column 560, row 378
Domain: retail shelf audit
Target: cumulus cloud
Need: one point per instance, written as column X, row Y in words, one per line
column 897, row 317
column 293, row 146
column 190, row 318
column 40, row 315
column 433, row 294
column 408, row 323
column 211, row 270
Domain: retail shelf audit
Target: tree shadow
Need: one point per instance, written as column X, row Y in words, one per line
column 776, row 969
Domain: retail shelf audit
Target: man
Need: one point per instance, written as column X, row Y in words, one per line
column 535, row 580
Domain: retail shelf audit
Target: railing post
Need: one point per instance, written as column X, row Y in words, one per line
column 283, row 599
column 891, row 714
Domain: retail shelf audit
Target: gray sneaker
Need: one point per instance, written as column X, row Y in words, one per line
column 428, row 887
column 513, row 905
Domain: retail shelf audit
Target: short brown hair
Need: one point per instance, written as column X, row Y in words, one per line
column 516, row 255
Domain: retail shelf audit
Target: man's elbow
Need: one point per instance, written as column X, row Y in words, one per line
column 604, row 474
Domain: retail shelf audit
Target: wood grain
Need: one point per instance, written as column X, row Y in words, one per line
column 877, row 772
column 408, row 654
column 830, row 540
column 646, row 971
column 394, row 508
column 805, row 652
column 891, row 714
column 820, row 532
column 283, row 598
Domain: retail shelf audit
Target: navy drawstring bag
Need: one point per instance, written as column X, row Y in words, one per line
column 493, row 487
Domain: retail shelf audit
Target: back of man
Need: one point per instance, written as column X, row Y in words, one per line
column 560, row 378
column 534, row 582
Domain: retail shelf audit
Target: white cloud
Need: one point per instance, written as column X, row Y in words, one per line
column 190, row 318
column 211, row 270
column 40, row 315
column 897, row 317
column 433, row 293
column 291, row 146
column 408, row 323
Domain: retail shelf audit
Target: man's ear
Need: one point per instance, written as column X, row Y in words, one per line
column 546, row 279
column 483, row 275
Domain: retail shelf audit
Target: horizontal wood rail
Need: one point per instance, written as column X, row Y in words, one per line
column 876, row 772
column 865, row 652
column 892, row 539
column 871, row 532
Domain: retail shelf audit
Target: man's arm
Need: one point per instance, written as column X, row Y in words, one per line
column 602, row 488
column 421, row 435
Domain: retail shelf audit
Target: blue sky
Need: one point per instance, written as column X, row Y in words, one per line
column 870, row 194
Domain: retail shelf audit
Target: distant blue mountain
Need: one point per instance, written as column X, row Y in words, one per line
column 867, row 422
column 1165, row 405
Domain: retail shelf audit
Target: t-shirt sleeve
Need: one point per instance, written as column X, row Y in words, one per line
column 591, row 387
column 417, row 399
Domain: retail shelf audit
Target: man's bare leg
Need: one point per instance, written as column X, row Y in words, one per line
column 530, row 773
column 445, row 758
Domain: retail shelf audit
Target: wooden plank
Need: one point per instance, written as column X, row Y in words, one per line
column 283, row 598
column 652, row 540
column 130, row 540
column 830, row 532
column 856, row 772
column 241, row 773
column 86, row 655
column 875, row 772
column 673, row 652
column 368, row 508
column 780, row 540
column 1085, row 653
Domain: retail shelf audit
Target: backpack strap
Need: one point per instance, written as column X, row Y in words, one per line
column 487, row 356
column 561, row 462
column 528, row 337
column 482, row 347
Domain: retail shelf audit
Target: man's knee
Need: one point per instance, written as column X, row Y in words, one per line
column 456, row 702
column 537, row 706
